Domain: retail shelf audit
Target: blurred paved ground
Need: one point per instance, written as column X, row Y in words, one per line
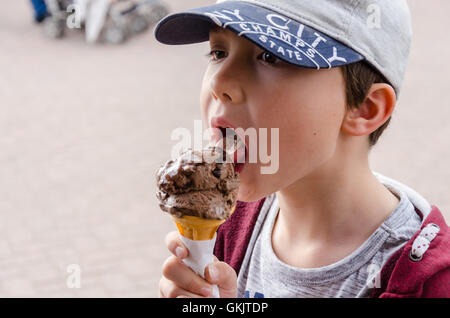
column 83, row 129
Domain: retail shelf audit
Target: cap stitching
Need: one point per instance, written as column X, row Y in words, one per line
column 283, row 10
column 334, row 35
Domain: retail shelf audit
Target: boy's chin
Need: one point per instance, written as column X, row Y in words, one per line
column 254, row 186
column 249, row 193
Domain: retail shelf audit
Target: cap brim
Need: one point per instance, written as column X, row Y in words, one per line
column 289, row 40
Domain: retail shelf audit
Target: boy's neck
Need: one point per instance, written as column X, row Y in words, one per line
column 333, row 209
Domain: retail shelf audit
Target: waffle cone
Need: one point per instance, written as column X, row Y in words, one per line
column 196, row 228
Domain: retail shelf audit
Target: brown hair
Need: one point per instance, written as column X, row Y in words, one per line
column 359, row 77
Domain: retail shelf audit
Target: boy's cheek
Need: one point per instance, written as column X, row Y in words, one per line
column 205, row 108
column 290, row 167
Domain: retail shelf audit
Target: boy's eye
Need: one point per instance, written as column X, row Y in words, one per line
column 269, row 57
column 217, row 55
column 266, row 56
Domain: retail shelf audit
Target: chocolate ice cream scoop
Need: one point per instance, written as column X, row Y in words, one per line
column 202, row 184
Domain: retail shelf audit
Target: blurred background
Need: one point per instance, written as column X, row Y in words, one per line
column 85, row 121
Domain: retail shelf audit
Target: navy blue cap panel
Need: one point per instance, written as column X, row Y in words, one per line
column 184, row 28
column 289, row 40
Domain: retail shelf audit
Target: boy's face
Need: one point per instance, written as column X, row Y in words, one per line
column 248, row 87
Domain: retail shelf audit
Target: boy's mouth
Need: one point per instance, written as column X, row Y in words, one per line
column 234, row 146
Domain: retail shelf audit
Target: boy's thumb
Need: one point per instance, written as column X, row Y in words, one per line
column 224, row 276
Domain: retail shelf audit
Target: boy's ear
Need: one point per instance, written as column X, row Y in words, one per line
column 373, row 112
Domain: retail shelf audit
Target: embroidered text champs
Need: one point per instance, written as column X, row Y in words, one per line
column 294, row 41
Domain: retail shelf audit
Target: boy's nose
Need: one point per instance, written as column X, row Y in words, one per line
column 226, row 86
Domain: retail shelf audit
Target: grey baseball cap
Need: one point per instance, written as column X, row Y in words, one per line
column 308, row 33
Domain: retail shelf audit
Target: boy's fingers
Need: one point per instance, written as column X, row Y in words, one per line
column 224, row 276
column 175, row 246
column 168, row 289
column 175, row 270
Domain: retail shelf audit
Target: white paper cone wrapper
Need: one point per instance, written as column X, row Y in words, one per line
column 201, row 253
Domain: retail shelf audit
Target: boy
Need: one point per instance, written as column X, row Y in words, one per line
column 328, row 74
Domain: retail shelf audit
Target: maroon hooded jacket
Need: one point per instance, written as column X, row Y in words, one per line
column 400, row 277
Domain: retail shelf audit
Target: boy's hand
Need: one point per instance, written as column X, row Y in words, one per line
column 180, row 281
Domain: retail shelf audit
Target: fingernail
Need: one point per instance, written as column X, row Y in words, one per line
column 179, row 252
column 206, row 291
column 213, row 273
